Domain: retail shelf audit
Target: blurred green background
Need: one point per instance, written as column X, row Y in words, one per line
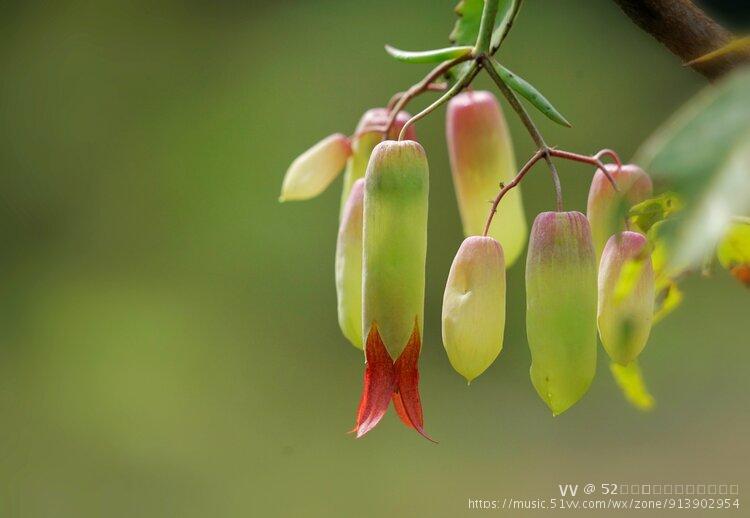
column 168, row 335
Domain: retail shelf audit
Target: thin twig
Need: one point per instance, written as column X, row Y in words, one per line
column 547, row 152
column 505, row 188
column 420, row 87
column 449, row 94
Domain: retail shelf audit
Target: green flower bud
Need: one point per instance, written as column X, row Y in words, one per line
column 365, row 141
column 316, row 168
column 606, row 207
column 474, row 306
column 561, row 308
column 481, row 156
column 626, row 296
column 395, row 241
column 349, row 266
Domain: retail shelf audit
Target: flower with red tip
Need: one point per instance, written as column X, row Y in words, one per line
column 393, row 283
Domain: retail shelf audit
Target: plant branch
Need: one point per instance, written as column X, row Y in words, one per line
column 486, row 25
column 546, row 153
column 420, row 87
column 528, row 123
column 449, row 94
column 685, row 30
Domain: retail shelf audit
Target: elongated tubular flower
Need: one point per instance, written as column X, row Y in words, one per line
column 316, row 168
column 364, row 142
column 561, row 308
column 626, row 306
column 474, row 306
column 481, row 156
column 395, row 248
column 604, row 203
column 349, row 266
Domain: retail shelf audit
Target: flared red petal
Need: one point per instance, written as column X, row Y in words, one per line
column 379, row 383
column 407, row 383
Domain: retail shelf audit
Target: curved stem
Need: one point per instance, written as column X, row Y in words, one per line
column 528, row 123
column 486, row 26
column 420, row 87
column 505, row 188
column 450, row 93
column 546, row 153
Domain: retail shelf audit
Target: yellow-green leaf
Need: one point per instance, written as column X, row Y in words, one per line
column 630, row 380
column 736, row 45
column 645, row 214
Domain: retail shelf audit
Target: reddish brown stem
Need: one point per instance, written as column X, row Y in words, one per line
column 546, row 152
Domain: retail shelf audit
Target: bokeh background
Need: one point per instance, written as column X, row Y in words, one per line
column 168, row 335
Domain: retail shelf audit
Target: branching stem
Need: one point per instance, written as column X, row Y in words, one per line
column 448, row 95
column 420, row 87
column 528, row 123
column 546, row 153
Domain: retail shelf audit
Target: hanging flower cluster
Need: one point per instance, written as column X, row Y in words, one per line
column 604, row 273
column 382, row 244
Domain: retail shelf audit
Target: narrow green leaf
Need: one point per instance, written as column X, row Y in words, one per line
column 428, row 56
column 703, row 155
column 736, row 45
column 530, row 93
column 630, row 380
column 506, row 14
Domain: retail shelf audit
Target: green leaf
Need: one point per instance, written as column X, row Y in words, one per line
column 466, row 30
column 630, row 380
column 644, row 215
column 428, row 56
column 733, row 251
column 736, row 45
column 530, row 93
column 667, row 295
column 506, row 14
column 703, row 155
column 734, row 248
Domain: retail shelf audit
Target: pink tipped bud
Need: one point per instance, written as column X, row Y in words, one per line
column 626, row 296
column 604, row 208
column 561, row 308
column 316, row 168
column 365, row 139
column 474, row 306
column 481, row 155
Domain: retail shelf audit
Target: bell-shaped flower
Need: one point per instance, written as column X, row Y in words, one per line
column 366, row 137
column 395, row 247
column 561, row 308
column 626, row 296
column 481, row 157
column 606, row 208
column 474, row 306
column 349, row 266
column 316, row 168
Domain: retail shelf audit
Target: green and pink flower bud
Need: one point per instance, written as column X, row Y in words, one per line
column 607, row 208
column 561, row 308
column 626, row 296
column 481, row 156
column 349, row 266
column 474, row 306
column 316, row 168
column 393, row 285
column 364, row 141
